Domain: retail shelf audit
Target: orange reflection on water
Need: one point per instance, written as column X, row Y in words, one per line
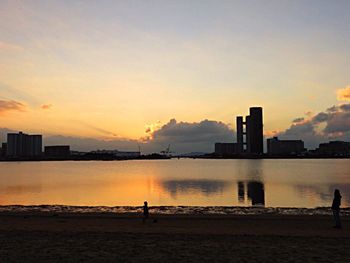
column 288, row 183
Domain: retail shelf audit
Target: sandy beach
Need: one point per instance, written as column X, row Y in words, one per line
column 107, row 237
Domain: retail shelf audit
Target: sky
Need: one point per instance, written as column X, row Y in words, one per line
column 107, row 74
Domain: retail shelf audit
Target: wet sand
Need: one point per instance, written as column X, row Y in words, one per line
column 47, row 237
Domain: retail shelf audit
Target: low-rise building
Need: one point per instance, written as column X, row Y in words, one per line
column 334, row 148
column 222, row 149
column 3, row 149
column 57, row 151
column 117, row 154
column 284, row 147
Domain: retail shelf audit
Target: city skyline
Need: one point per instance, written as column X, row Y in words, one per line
column 129, row 73
column 210, row 132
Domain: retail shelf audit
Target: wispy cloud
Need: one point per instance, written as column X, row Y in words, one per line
column 46, row 106
column 9, row 47
column 11, row 105
column 98, row 129
column 9, row 91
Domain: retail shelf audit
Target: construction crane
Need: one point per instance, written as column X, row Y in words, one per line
column 167, row 151
column 139, row 148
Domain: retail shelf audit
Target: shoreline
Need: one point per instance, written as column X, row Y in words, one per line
column 178, row 157
column 172, row 210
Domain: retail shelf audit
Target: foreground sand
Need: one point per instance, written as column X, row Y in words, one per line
column 186, row 238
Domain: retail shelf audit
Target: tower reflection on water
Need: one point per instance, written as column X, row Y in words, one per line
column 255, row 192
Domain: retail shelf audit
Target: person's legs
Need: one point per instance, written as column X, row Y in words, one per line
column 145, row 217
column 337, row 218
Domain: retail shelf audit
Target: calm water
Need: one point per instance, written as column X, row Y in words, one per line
column 272, row 183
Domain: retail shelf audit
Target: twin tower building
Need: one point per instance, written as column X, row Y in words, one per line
column 250, row 136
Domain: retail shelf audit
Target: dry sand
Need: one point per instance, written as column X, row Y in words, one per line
column 44, row 237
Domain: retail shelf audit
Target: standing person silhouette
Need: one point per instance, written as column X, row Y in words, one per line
column 336, row 208
column 145, row 212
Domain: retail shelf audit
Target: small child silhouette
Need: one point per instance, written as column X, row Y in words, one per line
column 145, row 212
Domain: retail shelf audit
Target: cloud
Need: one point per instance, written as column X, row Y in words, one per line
column 345, row 107
column 343, row 94
column 8, row 91
column 269, row 133
column 321, row 117
column 183, row 137
column 338, row 124
column 9, row 47
column 3, row 134
column 332, row 124
column 11, row 105
column 98, row 129
column 298, row 120
column 191, row 136
column 46, row 106
column 308, row 113
column 193, row 132
column 150, row 128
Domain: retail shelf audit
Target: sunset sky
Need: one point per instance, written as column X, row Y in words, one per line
column 123, row 70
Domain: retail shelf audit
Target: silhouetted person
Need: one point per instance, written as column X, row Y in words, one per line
column 336, row 208
column 145, row 212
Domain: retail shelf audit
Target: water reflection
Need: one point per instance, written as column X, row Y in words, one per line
column 23, row 189
column 344, row 191
column 271, row 183
column 206, row 186
column 324, row 192
column 255, row 192
column 241, row 192
column 251, row 191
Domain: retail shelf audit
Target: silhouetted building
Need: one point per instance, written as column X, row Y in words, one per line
column 35, row 145
column 223, row 149
column 249, row 140
column 334, row 148
column 57, row 151
column 117, row 154
column 254, row 137
column 3, row 149
column 284, row 147
column 240, row 134
column 23, row 145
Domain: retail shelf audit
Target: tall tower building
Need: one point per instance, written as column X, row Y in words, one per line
column 251, row 139
column 255, row 136
column 240, row 134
